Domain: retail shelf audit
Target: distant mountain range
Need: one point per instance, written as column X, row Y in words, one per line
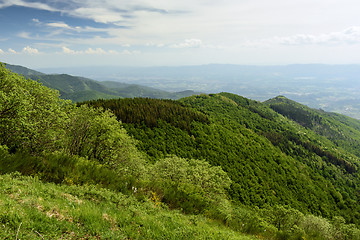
column 78, row 88
column 332, row 88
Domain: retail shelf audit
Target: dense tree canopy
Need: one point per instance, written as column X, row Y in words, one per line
column 270, row 159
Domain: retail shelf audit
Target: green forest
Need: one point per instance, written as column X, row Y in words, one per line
column 210, row 166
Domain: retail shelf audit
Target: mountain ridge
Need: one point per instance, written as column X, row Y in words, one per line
column 78, row 88
column 333, row 88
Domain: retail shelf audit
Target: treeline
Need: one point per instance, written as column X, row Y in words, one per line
column 148, row 112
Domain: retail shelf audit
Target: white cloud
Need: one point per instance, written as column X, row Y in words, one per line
column 192, row 43
column 95, row 51
column 58, row 25
column 30, row 50
column 89, row 51
column 189, row 43
column 99, row 14
column 1, row 51
column 165, row 27
column 113, row 52
column 151, row 44
column 12, row 51
column 127, row 52
column 69, row 51
column 349, row 35
column 25, row 35
column 37, row 5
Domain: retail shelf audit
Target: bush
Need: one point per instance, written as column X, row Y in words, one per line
column 191, row 185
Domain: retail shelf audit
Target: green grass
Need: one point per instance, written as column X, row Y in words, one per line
column 31, row 209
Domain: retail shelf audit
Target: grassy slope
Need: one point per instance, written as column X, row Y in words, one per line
column 31, row 209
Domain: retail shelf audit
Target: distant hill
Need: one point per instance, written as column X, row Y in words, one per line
column 78, row 88
column 23, row 70
column 334, row 88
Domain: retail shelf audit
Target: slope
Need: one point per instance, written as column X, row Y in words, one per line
column 270, row 159
column 341, row 130
column 23, row 70
column 32, row 209
column 133, row 90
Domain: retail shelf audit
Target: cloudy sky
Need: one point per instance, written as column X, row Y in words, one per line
column 62, row 33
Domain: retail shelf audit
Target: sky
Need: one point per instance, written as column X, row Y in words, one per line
column 70, row 33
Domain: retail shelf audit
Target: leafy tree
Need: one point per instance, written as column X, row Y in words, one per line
column 35, row 120
column 192, row 185
column 31, row 116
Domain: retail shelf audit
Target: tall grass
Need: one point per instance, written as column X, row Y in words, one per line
column 61, row 168
column 31, row 209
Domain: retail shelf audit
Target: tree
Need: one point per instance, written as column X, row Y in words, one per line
column 31, row 115
column 192, row 185
column 97, row 135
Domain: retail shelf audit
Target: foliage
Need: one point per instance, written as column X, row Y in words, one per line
column 192, row 185
column 343, row 131
column 31, row 115
column 63, row 169
column 96, row 134
column 34, row 121
column 148, row 112
column 269, row 159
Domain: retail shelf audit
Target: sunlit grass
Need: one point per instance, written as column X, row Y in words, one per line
column 30, row 209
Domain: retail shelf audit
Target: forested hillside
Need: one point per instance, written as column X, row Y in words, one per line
column 270, row 159
column 343, row 131
column 204, row 167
